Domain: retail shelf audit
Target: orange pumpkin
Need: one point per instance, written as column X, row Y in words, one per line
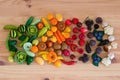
column 52, row 57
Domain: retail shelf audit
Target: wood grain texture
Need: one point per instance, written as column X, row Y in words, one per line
column 17, row 11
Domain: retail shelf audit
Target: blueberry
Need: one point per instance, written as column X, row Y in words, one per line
column 96, row 34
column 98, row 50
column 99, row 38
column 95, row 58
column 99, row 20
column 96, row 62
column 101, row 33
column 96, row 26
column 98, row 59
column 92, row 42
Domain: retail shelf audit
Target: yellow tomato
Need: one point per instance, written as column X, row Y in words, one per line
column 57, row 63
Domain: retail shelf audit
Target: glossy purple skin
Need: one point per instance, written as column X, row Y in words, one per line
column 92, row 42
column 66, row 52
column 98, row 50
column 99, row 20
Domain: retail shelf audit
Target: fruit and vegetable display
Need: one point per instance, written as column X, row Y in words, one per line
column 56, row 40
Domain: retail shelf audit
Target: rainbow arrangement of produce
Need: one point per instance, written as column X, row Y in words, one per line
column 55, row 40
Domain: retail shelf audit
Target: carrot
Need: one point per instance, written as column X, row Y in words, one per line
column 58, row 39
column 60, row 35
column 54, row 21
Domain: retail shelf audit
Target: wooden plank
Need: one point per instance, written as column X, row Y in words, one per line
column 17, row 11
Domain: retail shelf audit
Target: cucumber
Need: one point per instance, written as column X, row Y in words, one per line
column 9, row 27
column 29, row 21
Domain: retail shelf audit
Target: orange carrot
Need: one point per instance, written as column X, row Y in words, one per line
column 60, row 36
column 58, row 39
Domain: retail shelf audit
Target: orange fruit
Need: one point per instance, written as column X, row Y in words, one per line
column 34, row 49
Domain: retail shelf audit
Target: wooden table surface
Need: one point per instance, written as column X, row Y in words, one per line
column 17, row 11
